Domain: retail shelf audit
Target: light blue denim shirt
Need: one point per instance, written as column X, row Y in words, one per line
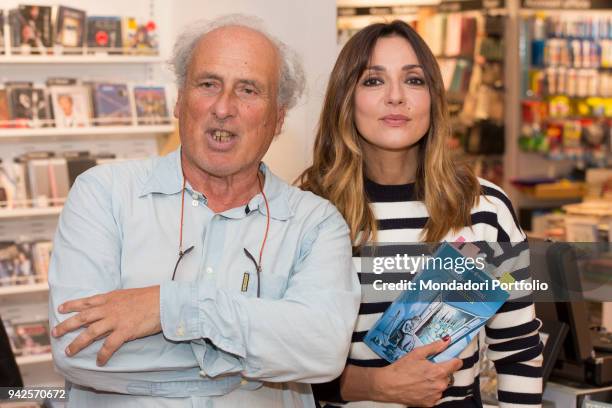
column 220, row 346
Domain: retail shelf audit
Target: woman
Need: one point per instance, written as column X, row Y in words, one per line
column 380, row 157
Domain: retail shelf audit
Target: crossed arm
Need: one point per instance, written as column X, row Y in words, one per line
column 99, row 322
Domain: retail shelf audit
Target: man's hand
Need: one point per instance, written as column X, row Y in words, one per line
column 120, row 316
column 413, row 380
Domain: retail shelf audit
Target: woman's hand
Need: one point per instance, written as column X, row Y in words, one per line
column 412, row 380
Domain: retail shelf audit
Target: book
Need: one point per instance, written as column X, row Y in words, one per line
column 151, row 105
column 2, row 48
column 139, row 38
column 28, row 106
column 41, row 256
column 69, row 27
column 48, row 181
column 104, row 33
column 16, row 266
column 34, row 28
column 31, row 336
column 5, row 116
column 111, row 103
column 71, row 105
column 425, row 314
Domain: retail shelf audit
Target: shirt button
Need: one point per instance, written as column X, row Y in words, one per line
column 209, row 270
column 194, row 196
column 194, row 203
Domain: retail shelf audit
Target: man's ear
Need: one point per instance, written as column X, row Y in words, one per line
column 176, row 110
column 280, row 119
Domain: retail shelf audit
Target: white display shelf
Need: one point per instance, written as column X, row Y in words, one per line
column 86, row 131
column 23, row 289
column 29, row 212
column 80, row 59
column 34, row 359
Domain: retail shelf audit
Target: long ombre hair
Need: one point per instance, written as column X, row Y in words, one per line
column 448, row 190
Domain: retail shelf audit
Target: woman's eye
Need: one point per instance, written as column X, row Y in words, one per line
column 415, row 81
column 207, row 84
column 372, row 81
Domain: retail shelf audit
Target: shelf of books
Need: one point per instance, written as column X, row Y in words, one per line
column 34, row 359
column 101, row 58
column 86, row 131
column 29, row 212
column 23, row 289
column 73, row 95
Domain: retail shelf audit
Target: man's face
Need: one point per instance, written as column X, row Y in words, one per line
column 227, row 109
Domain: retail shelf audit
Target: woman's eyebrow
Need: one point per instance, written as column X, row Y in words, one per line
column 404, row 68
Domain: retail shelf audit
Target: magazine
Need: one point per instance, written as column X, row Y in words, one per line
column 425, row 314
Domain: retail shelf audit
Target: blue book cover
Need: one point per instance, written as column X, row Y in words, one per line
column 112, row 104
column 442, row 302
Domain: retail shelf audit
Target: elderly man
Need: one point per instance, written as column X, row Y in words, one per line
column 200, row 278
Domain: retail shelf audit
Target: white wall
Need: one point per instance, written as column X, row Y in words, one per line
column 309, row 27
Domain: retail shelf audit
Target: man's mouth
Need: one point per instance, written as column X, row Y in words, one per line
column 222, row 135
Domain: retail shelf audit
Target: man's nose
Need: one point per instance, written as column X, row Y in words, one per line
column 224, row 106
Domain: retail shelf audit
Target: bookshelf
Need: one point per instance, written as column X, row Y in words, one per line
column 22, row 133
column 29, row 212
column 126, row 141
column 80, row 59
column 15, row 290
column 34, row 359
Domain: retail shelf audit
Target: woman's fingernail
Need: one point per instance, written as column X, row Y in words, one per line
column 446, row 338
column 67, row 351
column 54, row 332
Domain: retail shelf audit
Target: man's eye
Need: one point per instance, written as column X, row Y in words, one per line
column 249, row 91
column 207, row 84
column 372, row 81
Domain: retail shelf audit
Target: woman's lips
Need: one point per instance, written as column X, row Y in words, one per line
column 395, row 120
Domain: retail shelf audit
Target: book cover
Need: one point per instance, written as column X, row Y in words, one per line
column 71, row 105
column 28, row 106
column 5, row 116
column 111, row 104
column 104, row 33
column 70, row 27
column 139, row 38
column 16, row 266
column 151, row 105
column 34, row 28
column 1, row 31
column 425, row 314
column 31, row 336
column 41, row 256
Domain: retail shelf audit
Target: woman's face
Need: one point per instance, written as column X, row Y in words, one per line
column 392, row 100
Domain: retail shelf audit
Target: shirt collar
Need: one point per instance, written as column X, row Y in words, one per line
column 166, row 178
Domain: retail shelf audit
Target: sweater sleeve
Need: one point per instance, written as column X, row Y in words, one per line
column 512, row 334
